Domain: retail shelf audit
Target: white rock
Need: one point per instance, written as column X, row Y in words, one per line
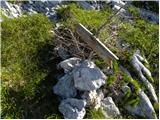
column 116, row 8
column 109, row 108
column 72, row 108
column 69, row 64
column 18, row 9
column 88, row 77
column 142, row 71
column 93, row 99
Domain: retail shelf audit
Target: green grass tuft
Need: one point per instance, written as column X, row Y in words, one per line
column 94, row 114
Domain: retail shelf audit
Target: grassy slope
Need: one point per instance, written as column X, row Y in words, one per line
column 23, row 72
column 26, row 84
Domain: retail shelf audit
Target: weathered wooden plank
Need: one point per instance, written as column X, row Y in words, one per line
column 95, row 43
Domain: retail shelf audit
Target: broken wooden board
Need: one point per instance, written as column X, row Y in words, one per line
column 95, row 43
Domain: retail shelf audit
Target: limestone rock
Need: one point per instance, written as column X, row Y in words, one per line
column 93, row 98
column 109, row 108
column 144, row 108
column 149, row 15
column 69, row 64
column 31, row 7
column 72, row 108
column 65, row 87
column 5, row 4
column 143, row 73
column 88, row 77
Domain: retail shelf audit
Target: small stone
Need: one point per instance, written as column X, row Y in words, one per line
column 109, row 108
column 72, row 108
column 88, row 77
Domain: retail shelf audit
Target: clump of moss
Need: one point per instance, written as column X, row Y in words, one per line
column 100, row 63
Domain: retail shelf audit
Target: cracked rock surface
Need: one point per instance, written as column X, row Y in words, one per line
column 88, row 77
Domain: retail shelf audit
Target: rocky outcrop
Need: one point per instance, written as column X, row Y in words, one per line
column 10, row 10
column 150, row 16
column 72, row 108
column 143, row 73
column 48, row 8
column 144, row 108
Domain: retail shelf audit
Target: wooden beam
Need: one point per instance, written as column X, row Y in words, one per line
column 95, row 43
